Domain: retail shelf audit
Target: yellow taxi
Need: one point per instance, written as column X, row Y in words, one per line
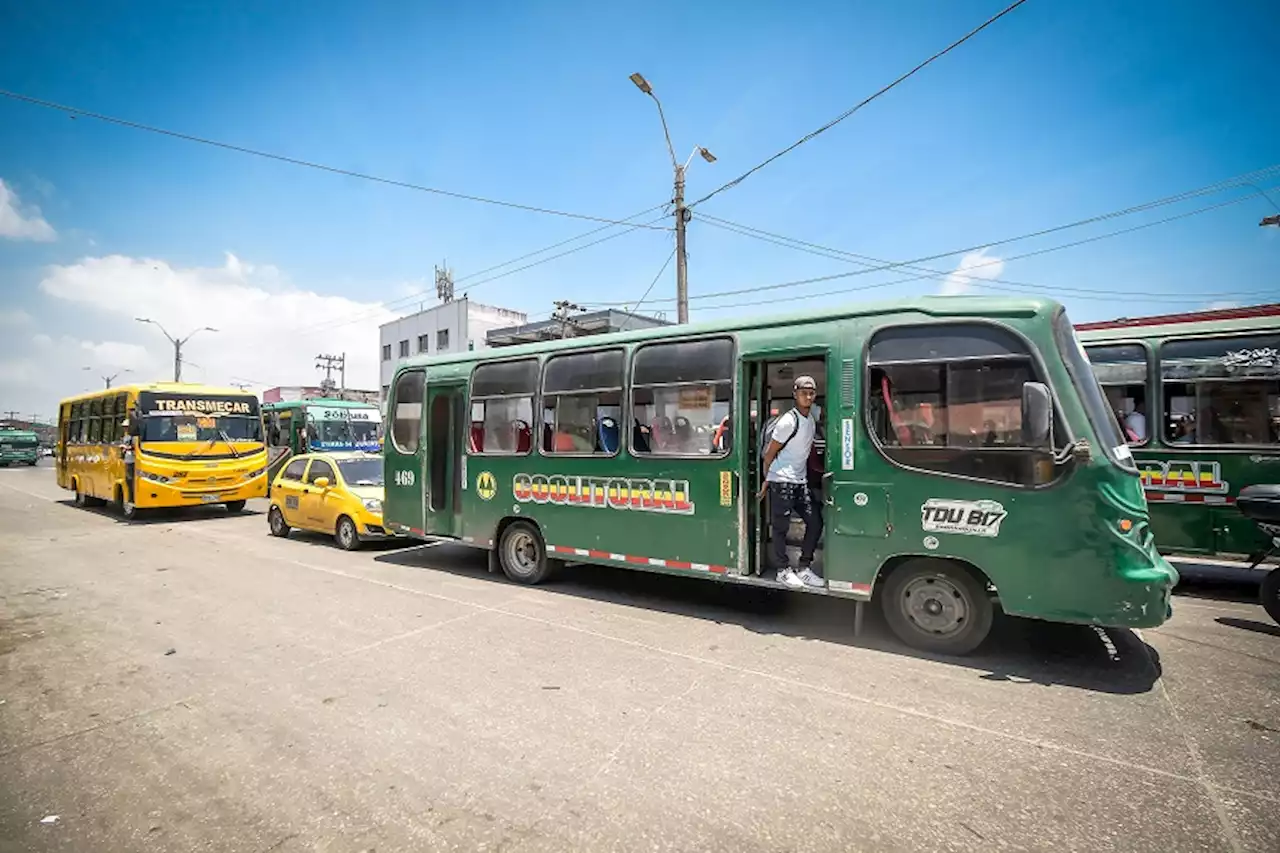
column 336, row 493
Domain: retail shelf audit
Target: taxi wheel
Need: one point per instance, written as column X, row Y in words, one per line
column 277, row 524
column 346, row 535
column 235, row 506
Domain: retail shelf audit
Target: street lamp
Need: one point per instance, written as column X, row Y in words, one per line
column 177, row 344
column 107, row 380
column 681, row 212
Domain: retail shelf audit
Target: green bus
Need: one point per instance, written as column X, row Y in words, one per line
column 18, row 446
column 321, row 425
column 1198, row 396
column 972, row 463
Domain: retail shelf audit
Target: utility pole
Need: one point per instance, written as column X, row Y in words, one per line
column 561, row 314
column 328, row 363
column 682, row 213
column 177, row 344
column 12, row 416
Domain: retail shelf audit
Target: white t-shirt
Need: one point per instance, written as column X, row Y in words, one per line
column 1137, row 422
column 791, row 463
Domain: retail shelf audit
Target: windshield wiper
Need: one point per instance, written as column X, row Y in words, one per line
column 222, row 432
column 209, row 443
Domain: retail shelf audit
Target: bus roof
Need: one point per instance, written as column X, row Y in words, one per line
column 321, row 401
column 161, row 388
column 930, row 306
column 8, row 430
column 1189, row 323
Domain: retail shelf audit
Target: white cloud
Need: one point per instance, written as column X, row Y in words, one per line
column 268, row 330
column 1222, row 306
column 14, row 318
column 17, row 225
column 975, row 266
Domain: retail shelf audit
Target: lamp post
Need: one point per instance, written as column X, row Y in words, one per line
column 681, row 212
column 177, row 344
column 107, row 380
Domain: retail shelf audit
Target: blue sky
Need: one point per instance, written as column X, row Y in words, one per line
column 1057, row 112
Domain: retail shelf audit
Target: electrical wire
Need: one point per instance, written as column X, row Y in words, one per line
column 648, row 290
column 967, row 273
column 868, row 260
column 295, row 161
column 862, row 103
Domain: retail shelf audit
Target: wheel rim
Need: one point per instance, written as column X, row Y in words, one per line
column 277, row 522
column 346, row 533
column 522, row 552
column 935, row 605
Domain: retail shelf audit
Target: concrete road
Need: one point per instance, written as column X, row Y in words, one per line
column 193, row 684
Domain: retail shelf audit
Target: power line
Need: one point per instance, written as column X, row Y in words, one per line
column 648, row 289
column 834, row 276
column 863, row 102
column 416, row 297
column 306, row 163
column 868, row 260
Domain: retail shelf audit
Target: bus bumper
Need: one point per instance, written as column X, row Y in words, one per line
column 149, row 493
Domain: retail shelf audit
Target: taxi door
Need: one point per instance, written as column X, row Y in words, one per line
column 287, row 492
column 322, row 504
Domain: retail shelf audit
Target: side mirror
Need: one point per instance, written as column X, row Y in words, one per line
column 131, row 427
column 320, row 482
column 1037, row 416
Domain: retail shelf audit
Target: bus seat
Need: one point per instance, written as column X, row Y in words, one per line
column 477, row 438
column 683, row 432
column 609, row 435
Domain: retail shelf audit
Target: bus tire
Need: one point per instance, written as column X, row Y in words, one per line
column 1270, row 594
column 235, row 506
column 81, row 500
column 523, row 555
column 937, row 606
column 346, row 534
column 276, row 523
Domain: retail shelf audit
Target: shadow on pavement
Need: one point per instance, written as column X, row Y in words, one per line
column 168, row 515
column 1104, row 660
column 1249, row 625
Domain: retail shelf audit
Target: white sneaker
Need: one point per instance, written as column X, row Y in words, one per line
column 809, row 578
column 790, row 578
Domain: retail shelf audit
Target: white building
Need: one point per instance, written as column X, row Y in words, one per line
column 455, row 326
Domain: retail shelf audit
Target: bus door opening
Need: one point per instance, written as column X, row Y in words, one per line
column 770, row 385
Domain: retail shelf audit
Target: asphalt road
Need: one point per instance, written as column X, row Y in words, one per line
column 190, row 683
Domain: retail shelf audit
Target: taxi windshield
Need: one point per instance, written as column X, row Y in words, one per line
column 361, row 472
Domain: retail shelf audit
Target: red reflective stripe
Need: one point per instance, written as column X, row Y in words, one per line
column 602, row 555
column 1190, row 498
column 678, row 564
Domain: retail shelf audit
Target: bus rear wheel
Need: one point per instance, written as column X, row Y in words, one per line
column 523, row 555
column 1270, row 594
column 937, row 606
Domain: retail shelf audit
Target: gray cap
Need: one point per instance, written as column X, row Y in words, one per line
column 804, row 382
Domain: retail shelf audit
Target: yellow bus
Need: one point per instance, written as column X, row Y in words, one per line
column 165, row 444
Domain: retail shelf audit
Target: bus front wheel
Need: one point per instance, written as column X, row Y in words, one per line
column 1270, row 594
column 235, row 506
column 937, row 606
column 523, row 554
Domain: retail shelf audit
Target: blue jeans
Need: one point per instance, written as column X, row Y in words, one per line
column 784, row 499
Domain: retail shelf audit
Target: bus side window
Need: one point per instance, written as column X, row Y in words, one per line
column 948, row 398
column 1122, row 372
column 1222, row 391
column 95, row 421
column 502, row 407
column 681, row 394
column 406, row 428
column 582, row 402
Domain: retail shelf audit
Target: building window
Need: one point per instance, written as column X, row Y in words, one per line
column 404, row 349
column 948, row 398
column 386, row 352
column 680, row 394
column 1122, row 372
column 442, row 340
column 422, row 342
column 406, row 424
column 502, row 407
column 1222, row 390
column 582, row 403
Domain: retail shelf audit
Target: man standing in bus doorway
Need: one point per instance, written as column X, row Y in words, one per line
column 126, row 455
column 787, row 485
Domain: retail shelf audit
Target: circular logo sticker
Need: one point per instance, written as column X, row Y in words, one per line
column 486, row 486
column 860, row 498
column 931, row 542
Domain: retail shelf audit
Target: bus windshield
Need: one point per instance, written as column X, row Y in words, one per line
column 333, row 431
column 1100, row 413
column 172, row 417
column 361, row 472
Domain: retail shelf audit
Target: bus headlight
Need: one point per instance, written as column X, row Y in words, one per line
column 249, row 475
column 373, row 504
column 155, row 478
